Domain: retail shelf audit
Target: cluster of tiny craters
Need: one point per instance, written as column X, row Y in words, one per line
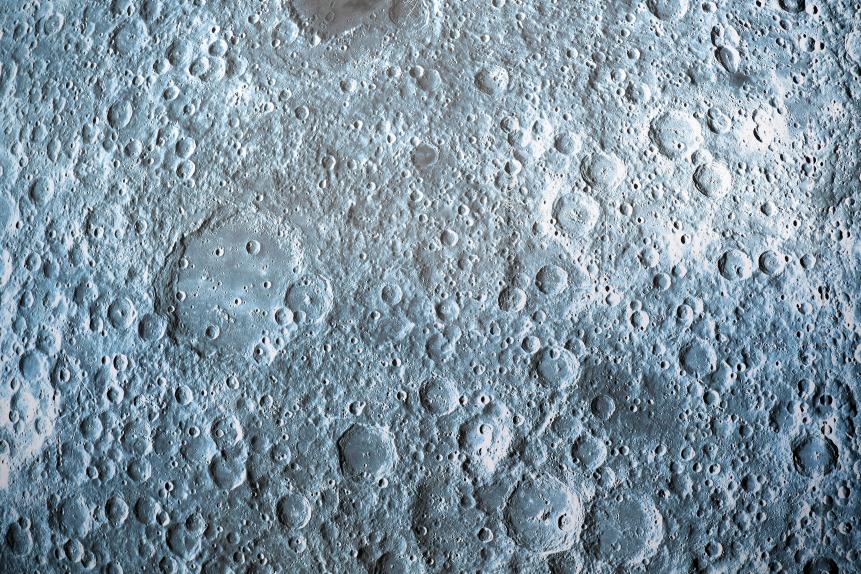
column 419, row 286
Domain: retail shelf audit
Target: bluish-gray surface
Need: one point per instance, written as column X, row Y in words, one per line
column 430, row 286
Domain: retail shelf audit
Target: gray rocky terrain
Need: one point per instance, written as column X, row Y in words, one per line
column 415, row 286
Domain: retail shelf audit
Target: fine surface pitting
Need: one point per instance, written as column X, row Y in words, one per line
column 411, row 286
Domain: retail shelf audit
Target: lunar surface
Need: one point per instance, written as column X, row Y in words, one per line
column 419, row 286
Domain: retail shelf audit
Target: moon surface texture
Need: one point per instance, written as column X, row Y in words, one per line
column 420, row 286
